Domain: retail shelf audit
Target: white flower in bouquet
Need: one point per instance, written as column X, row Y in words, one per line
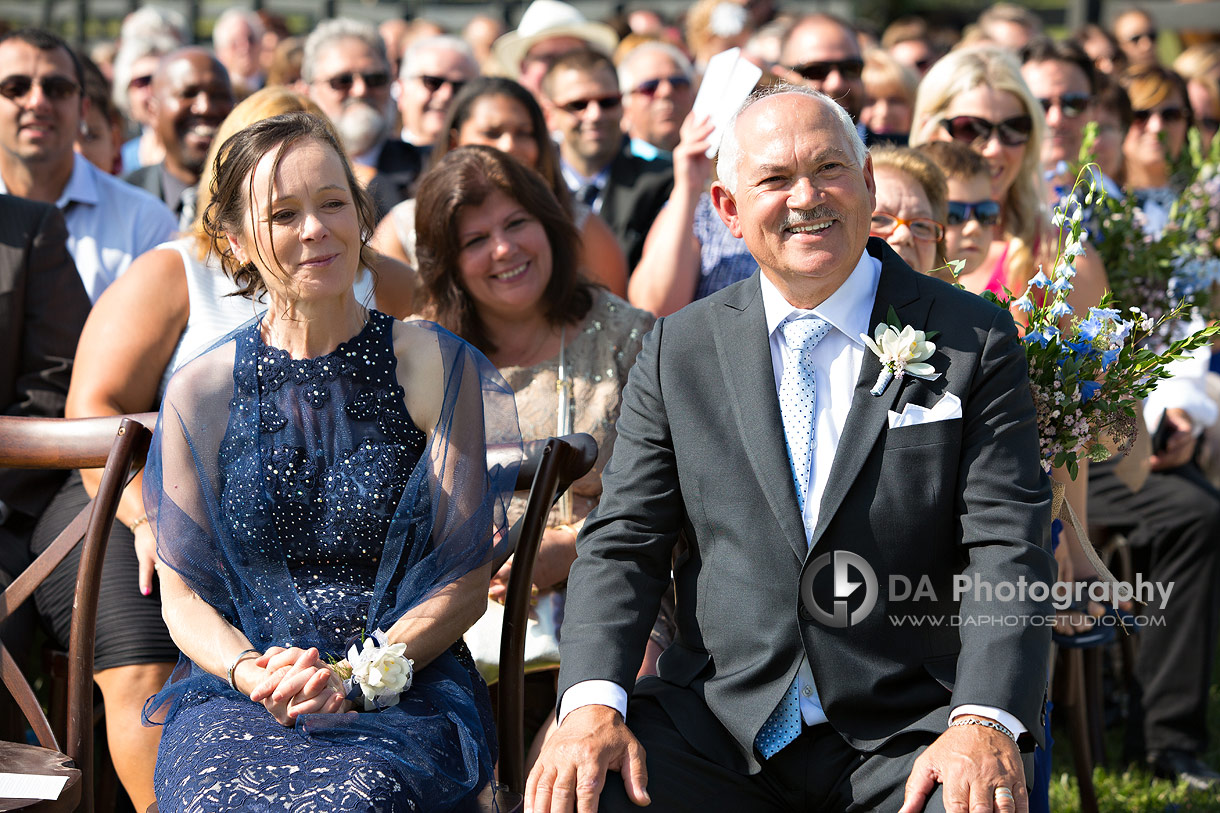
column 381, row 671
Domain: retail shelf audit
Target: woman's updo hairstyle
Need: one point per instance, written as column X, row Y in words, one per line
column 233, row 187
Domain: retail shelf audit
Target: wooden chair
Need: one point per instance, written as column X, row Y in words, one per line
column 547, row 469
column 119, row 444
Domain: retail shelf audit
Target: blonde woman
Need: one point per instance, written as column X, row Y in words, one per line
column 977, row 96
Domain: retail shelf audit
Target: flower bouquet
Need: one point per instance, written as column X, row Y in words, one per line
column 1167, row 264
column 1087, row 374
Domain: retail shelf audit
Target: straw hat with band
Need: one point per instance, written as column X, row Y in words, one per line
column 543, row 20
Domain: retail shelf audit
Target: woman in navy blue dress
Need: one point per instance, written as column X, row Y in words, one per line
column 319, row 475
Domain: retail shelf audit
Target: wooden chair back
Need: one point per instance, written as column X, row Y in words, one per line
column 549, row 468
column 118, row 444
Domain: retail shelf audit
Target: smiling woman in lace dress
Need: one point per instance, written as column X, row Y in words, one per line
column 318, row 476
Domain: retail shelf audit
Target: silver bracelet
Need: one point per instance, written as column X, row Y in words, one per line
column 985, row 723
column 233, row 665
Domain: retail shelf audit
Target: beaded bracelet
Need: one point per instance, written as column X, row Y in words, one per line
column 143, row 520
column 233, row 666
column 987, row 724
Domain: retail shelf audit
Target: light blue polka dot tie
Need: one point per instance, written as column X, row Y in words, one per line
column 798, row 395
column 797, row 399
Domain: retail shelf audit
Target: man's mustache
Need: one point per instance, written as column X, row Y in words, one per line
column 807, row 217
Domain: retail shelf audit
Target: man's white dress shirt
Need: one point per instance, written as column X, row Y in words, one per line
column 837, row 360
column 110, row 223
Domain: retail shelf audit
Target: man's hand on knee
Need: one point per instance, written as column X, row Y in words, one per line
column 571, row 770
column 979, row 768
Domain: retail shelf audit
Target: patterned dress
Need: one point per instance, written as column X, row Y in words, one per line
column 321, row 525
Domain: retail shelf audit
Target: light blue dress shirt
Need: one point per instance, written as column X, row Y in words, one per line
column 110, row 223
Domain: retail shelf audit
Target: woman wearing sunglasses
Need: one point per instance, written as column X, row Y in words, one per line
column 1160, row 116
column 976, row 96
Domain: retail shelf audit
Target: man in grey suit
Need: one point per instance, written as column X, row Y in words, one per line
column 754, row 460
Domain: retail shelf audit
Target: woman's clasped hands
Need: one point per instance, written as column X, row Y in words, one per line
column 291, row 681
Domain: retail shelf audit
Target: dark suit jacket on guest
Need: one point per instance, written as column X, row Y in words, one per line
column 634, row 194
column 701, row 455
column 149, row 179
column 43, row 306
column 398, row 168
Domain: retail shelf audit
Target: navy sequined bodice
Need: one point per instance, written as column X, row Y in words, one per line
column 332, row 453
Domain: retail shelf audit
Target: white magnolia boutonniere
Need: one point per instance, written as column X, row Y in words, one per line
column 903, row 350
column 377, row 671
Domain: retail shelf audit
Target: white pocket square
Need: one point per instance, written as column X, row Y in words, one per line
column 947, row 408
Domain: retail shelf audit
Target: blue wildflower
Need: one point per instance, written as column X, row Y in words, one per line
column 1108, row 357
column 1040, row 280
column 1088, row 389
column 1024, row 304
column 1060, row 309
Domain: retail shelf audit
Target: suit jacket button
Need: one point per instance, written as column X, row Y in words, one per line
column 804, row 613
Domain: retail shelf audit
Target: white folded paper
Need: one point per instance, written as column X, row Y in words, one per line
column 31, row 786
column 947, row 408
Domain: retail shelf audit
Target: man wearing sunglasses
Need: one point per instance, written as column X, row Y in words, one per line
column 584, row 109
column 821, row 52
column 1061, row 77
column 110, row 222
column 433, row 70
column 658, row 91
column 345, row 70
column 191, row 97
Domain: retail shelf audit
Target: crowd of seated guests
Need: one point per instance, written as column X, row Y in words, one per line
column 546, row 194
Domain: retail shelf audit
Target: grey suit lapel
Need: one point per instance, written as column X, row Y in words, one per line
column 742, row 344
column 898, row 288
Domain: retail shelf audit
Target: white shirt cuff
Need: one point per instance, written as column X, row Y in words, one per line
column 593, row 693
column 1002, row 717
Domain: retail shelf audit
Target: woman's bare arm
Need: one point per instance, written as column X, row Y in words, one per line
column 124, row 348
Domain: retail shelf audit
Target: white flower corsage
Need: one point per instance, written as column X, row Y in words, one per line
column 376, row 671
column 903, row 350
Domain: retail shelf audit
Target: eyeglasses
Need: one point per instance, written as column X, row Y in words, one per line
column 1070, row 104
column 922, row 228
column 603, row 102
column 986, row 212
column 818, row 71
column 343, row 82
column 140, row 81
column 433, row 83
column 1012, row 132
column 677, row 82
column 1143, row 35
column 55, row 88
column 1169, row 115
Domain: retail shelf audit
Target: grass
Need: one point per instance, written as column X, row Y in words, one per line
column 1132, row 788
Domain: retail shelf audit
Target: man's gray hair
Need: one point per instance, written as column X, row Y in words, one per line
column 626, row 72
column 231, row 15
column 441, row 42
column 331, row 31
column 729, row 154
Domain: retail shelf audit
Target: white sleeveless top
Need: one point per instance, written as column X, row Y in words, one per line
column 213, row 313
